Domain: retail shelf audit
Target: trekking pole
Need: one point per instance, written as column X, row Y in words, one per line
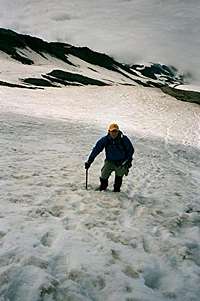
column 86, row 182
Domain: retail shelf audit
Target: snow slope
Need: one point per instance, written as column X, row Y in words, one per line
column 30, row 63
column 61, row 242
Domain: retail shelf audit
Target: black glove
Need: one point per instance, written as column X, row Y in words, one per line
column 87, row 165
column 129, row 164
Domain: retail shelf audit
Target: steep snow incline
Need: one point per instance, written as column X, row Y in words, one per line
column 30, row 63
column 82, row 66
column 144, row 110
column 14, row 72
column 59, row 241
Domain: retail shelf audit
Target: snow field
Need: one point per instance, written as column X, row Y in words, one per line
column 61, row 242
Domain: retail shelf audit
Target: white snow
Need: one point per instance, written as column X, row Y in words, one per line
column 59, row 241
column 14, row 71
column 189, row 87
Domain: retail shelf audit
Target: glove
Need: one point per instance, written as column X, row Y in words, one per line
column 87, row 165
column 129, row 164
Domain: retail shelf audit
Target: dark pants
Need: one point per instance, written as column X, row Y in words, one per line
column 107, row 169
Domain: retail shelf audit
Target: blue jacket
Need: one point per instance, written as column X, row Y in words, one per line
column 118, row 150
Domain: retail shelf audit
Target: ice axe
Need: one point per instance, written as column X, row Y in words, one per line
column 86, row 179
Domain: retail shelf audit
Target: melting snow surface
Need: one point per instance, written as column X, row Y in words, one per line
column 61, row 242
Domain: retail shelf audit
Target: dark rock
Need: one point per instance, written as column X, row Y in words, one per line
column 6, row 84
column 184, row 95
column 38, row 82
column 74, row 77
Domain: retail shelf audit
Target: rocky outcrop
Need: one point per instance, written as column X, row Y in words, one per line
column 184, row 95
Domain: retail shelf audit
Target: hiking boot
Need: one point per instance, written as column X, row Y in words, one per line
column 117, row 184
column 104, row 184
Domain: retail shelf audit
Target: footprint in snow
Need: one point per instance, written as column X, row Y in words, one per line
column 47, row 239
